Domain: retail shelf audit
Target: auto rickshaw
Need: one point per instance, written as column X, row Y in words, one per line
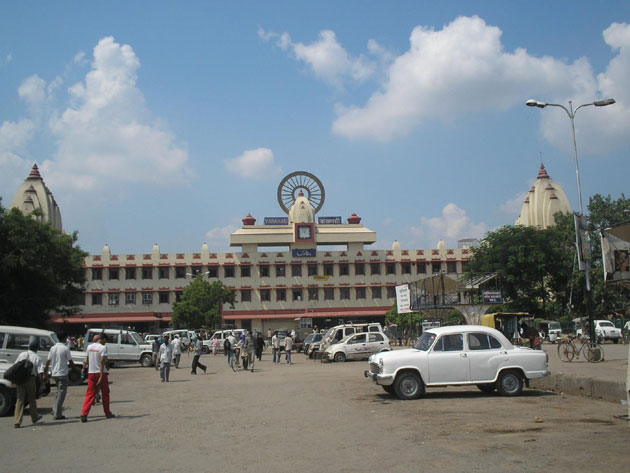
column 549, row 330
column 514, row 325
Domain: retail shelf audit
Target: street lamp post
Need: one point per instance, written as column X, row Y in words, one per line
column 571, row 113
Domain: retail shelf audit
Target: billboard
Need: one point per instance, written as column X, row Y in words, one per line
column 616, row 254
column 329, row 220
column 492, row 297
column 305, row 253
column 276, row 220
column 403, row 300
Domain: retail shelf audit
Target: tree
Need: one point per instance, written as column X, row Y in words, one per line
column 201, row 304
column 41, row 270
column 403, row 321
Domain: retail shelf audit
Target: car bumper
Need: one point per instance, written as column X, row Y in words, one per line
column 538, row 374
column 381, row 380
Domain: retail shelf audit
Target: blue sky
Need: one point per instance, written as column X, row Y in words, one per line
column 169, row 122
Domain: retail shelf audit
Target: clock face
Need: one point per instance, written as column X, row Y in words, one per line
column 304, row 233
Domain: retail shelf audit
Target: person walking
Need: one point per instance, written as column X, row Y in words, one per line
column 230, row 346
column 198, row 351
column 250, row 349
column 177, row 350
column 215, row 345
column 165, row 356
column 275, row 347
column 155, row 348
column 288, row 346
column 98, row 377
column 28, row 390
column 260, row 346
column 59, row 358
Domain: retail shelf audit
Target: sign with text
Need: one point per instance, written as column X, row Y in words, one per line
column 329, row 220
column 402, row 299
column 305, row 253
column 276, row 220
column 492, row 297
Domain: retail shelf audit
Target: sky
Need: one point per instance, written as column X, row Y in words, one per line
column 168, row 122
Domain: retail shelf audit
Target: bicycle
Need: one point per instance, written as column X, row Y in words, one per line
column 236, row 355
column 567, row 350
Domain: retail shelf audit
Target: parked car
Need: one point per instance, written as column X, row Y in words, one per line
column 184, row 336
column 148, row 339
column 459, row 355
column 357, row 346
column 8, row 392
column 312, row 343
column 604, row 330
column 221, row 335
column 122, row 345
column 338, row 332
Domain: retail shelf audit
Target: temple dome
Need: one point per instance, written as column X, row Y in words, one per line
column 301, row 211
column 33, row 194
column 543, row 200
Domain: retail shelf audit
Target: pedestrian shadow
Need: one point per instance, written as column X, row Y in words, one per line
column 178, row 380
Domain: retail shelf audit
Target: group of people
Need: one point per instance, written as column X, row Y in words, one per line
column 276, row 348
column 245, row 346
column 59, row 363
column 167, row 352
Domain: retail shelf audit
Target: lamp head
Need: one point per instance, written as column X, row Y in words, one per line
column 535, row 103
column 603, row 103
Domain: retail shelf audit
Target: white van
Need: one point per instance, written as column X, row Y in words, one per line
column 15, row 340
column 184, row 336
column 122, row 345
column 221, row 335
column 339, row 332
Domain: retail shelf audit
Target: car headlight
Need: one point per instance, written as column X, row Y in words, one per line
column 380, row 362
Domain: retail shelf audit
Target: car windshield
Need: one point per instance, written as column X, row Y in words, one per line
column 425, row 341
column 555, row 326
column 53, row 335
column 136, row 337
column 606, row 324
column 309, row 338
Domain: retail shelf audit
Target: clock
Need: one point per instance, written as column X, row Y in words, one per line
column 304, row 232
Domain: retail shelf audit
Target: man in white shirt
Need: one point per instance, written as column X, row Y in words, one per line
column 96, row 364
column 275, row 348
column 233, row 341
column 58, row 358
column 177, row 350
column 28, row 390
column 288, row 346
column 165, row 355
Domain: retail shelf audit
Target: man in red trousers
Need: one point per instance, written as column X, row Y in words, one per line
column 96, row 364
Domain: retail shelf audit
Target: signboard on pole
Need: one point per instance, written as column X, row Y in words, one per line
column 403, row 301
column 492, row 297
column 582, row 241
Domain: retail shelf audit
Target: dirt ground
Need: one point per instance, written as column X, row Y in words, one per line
column 315, row 417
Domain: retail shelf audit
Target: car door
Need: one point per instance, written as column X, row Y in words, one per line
column 485, row 356
column 113, row 346
column 128, row 348
column 16, row 343
column 356, row 346
column 376, row 343
column 447, row 360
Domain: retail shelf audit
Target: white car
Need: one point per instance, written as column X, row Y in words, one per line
column 458, row 355
column 357, row 346
column 604, row 330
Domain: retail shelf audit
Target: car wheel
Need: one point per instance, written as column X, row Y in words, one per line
column 510, row 383
column 615, row 340
column 340, row 357
column 487, row 388
column 205, row 350
column 408, row 385
column 6, row 401
column 389, row 389
column 146, row 360
column 74, row 376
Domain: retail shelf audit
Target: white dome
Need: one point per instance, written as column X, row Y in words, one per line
column 543, row 200
column 301, row 211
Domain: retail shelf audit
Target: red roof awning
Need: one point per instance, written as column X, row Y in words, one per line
column 109, row 318
column 294, row 315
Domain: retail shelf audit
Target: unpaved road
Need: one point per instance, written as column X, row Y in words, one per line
column 313, row 417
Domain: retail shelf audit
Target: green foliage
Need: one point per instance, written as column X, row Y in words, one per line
column 41, row 270
column 201, row 304
column 408, row 320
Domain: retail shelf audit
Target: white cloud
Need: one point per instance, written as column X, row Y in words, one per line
column 107, row 133
column 33, row 91
column 327, row 59
column 256, row 163
column 453, row 225
column 79, row 58
column 218, row 238
column 463, row 68
column 14, row 137
column 8, row 58
column 512, row 207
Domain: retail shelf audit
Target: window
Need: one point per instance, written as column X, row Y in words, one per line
column 436, row 267
column 375, row 268
column 45, row 343
column 164, row 297
column 328, row 269
column 213, row 271
column 130, row 297
column 359, row 269
column 360, row 338
column 17, row 342
column 465, row 266
column 313, row 293
column 147, row 273
column 453, row 342
column 344, row 269
column 228, row 271
column 1, row 339
column 482, row 341
column 97, row 274
column 147, row 298
column 360, row 293
column 163, row 272
column 130, row 273
column 391, row 292
column 265, row 295
column 126, row 339
column 178, row 296
column 180, row 272
column 297, row 294
column 376, row 293
column 97, row 299
column 451, row 266
column 376, row 337
column 406, row 268
column 246, row 271
column 390, row 268
column 263, row 270
column 344, row 293
column 196, row 270
column 421, row 267
column 281, row 270
column 113, row 298
column 329, row 294
column 246, row 295
column 113, row 273
column 296, row 270
column 312, row 269
column 281, row 294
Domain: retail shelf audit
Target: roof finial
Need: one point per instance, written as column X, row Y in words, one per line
column 542, row 173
